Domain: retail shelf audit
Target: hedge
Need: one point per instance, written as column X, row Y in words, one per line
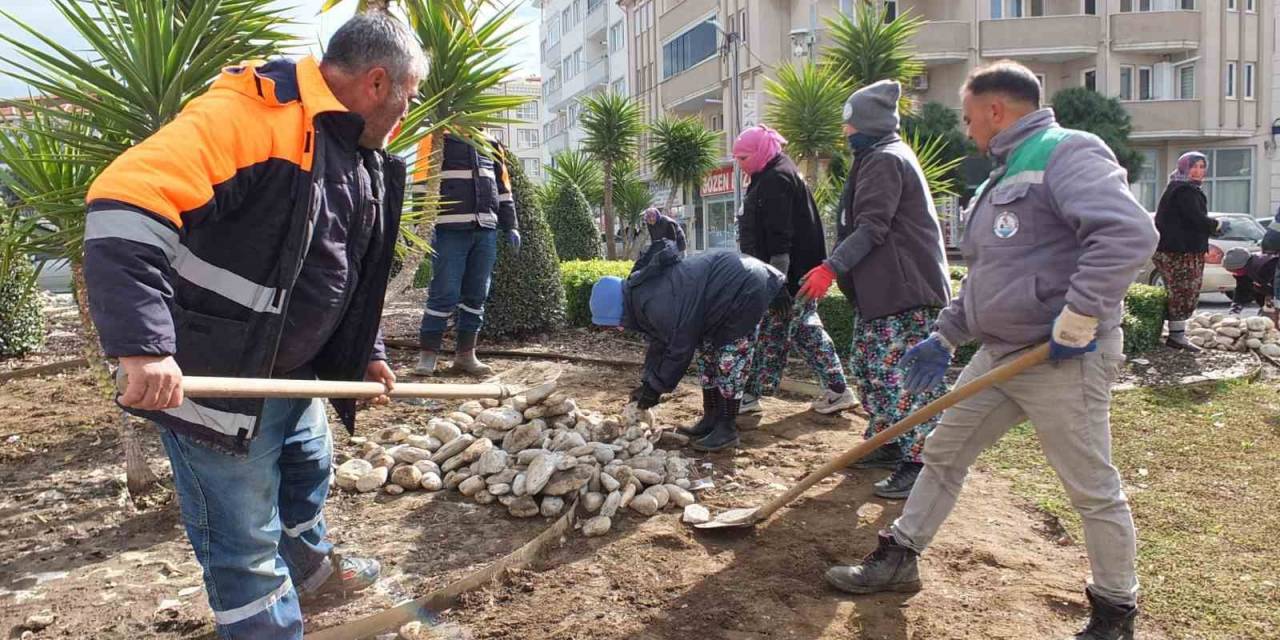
column 527, row 295
column 21, row 313
column 571, row 222
column 577, row 277
column 1143, row 319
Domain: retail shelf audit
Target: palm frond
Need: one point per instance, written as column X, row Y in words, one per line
column 866, row 49
column 579, row 169
column 935, row 163
column 805, row 108
column 683, row 151
column 612, row 126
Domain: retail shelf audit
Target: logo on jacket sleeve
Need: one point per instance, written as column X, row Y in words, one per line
column 1006, row 225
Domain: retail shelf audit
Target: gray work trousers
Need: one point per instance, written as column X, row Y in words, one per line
column 1069, row 405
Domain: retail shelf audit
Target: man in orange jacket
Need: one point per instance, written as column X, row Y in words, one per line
column 253, row 236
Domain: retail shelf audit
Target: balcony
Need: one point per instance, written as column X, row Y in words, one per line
column 1165, row 119
column 593, row 27
column 688, row 90
column 557, row 143
column 596, row 75
column 942, row 42
column 1158, row 32
column 1045, row 39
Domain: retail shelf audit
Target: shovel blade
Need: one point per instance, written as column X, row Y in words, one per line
column 732, row 518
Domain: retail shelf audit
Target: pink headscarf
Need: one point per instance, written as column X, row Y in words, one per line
column 759, row 145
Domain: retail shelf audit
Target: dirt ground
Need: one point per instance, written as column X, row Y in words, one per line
column 71, row 543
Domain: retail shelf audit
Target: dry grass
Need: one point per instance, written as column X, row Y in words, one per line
column 1200, row 467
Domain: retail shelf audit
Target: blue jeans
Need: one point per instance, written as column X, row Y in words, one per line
column 256, row 523
column 460, row 271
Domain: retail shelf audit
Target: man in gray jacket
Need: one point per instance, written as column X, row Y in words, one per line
column 1053, row 239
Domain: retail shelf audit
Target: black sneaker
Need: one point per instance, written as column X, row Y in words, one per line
column 1107, row 621
column 891, row 567
column 898, row 485
column 887, row 457
column 352, row 575
column 710, row 406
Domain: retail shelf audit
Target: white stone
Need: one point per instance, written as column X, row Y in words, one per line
column 1230, row 331
column 611, row 504
column 1253, row 343
column 409, row 455
column 392, row 435
column 592, row 502
column 351, row 471
column 455, row 478
column 552, row 506
column 393, row 489
column 520, row 486
column 1271, row 350
column 1259, row 323
column 539, row 473
column 696, row 514
column 407, row 476
column 431, row 482
column 430, row 443
column 628, row 493
column 680, row 496
column 518, row 403
column 471, row 408
column 484, row 497
column 597, row 526
column 506, row 476
column 500, row 489
column 645, row 505
column 427, row 466
column 1224, row 341
column 567, row 441
column 489, row 403
column 527, row 456
column 523, row 436
column 609, row 483
column 492, row 461
column 564, row 463
column 471, row 486
column 453, row 464
column 475, row 450
column 540, row 393
column 452, row 448
column 659, row 493
column 647, row 477
column 566, row 482
column 523, row 507
column 502, row 418
column 639, row 447
column 372, row 481
column 357, row 440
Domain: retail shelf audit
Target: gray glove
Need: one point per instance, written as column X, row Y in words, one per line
column 781, row 262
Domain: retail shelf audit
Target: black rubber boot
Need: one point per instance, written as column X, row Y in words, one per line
column 887, row 457
column 724, row 432
column 898, row 485
column 1107, row 621
column 891, row 567
column 711, row 399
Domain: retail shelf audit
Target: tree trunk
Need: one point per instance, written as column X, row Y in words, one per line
column 413, row 260
column 811, row 172
column 610, row 250
column 139, row 478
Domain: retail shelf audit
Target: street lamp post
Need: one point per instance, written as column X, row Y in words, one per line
column 735, row 92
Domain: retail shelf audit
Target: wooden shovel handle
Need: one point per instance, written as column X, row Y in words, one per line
column 212, row 387
column 1000, row 374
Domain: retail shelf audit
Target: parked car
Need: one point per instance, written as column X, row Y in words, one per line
column 1238, row 230
column 55, row 274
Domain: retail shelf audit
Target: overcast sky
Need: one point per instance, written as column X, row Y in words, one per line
column 313, row 28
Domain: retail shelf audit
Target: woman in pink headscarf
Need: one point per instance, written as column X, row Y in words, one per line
column 780, row 225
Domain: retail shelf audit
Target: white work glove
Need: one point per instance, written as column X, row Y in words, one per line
column 1073, row 335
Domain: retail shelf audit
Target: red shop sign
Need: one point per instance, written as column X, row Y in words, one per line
column 720, row 181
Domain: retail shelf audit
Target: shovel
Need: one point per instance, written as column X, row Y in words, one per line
column 214, row 387
column 741, row 518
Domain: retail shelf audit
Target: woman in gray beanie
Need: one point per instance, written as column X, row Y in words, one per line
column 891, row 266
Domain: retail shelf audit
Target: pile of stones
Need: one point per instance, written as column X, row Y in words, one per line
column 1234, row 333
column 530, row 454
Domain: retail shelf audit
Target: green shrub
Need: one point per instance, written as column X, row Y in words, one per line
column 21, row 316
column 422, row 277
column 578, row 276
column 958, row 273
column 527, row 294
column 576, row 236
column 1143, row 318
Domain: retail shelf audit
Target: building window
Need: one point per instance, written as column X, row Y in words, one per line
column 615, row 37
column 619, row 86
column 498, row 134
column 1229, row 181
column 1186, row 82
column 526, row 137
column 528, row 111
column 1129, row 6
column 566, row 20
column 1146, row 88
column 553, row 31
column 577, row 11
column 1144, row 188
column 1091, row 7
column 1250, row 6
column 574, row 110
column 1188, row 5
column 1231, row 80
column 890, row 11
column 1126, row 82
column 532, row 166
column 1231, row 5
column 1248, row 81
column 689, row 48
column 592, row 5
column 1089, row 79
column 717, row 122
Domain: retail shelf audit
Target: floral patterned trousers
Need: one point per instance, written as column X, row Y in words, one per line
column 1182, row 274
column 797, row 326
column 726, row 367
column 878, row 345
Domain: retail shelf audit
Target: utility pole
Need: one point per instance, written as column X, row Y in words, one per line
column 735, row 89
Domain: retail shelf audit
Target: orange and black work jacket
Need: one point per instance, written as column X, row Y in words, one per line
column 250, row 237
column 475, row 189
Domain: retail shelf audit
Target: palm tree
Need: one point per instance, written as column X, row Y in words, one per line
column 576, row 168
column 682, row 151
column 866, row 49
column 631, row 196
column 613, row 127
column 145, row 60
column 466, row 63
column 805, row 109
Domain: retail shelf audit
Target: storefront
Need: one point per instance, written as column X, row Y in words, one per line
column 715, row 224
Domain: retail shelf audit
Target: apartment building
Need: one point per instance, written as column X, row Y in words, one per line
column 583, row 51
column 522, row 135
column 1194, row 74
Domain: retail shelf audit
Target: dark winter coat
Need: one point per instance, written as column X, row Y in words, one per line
column 665, row 228
column 250, row 230
column 679, row 303
column 475, row 188
column 780, row 217
column 1258, row 279
column 1182, row 219
column 889, row 256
